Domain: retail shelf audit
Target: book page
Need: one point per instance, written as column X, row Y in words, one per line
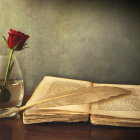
column 72, row 108
column 114, row 121
column 127, row 106
column 81, row 92
column 54, row 86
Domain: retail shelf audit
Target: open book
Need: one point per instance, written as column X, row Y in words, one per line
column 102, row 104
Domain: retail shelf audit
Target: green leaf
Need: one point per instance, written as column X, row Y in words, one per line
column 25, row 44
column 5, row 40
column 25, row 48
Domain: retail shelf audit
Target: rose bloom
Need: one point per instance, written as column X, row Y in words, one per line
column 16, row 38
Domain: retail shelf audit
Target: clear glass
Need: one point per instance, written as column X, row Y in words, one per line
column 15, row 85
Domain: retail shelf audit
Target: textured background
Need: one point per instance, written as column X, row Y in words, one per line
column 83, row 39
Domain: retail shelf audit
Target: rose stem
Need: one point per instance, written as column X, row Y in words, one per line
column 8, row 66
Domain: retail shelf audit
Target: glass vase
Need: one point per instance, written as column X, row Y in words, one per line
column 15, row 85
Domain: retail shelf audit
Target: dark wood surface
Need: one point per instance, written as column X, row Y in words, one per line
column 14, row 129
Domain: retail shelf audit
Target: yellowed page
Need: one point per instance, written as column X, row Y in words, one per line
column 127, row 106
column 56, row 117
column 115, row 122
column 51, row 86
column 79, row 96
column 73, row 108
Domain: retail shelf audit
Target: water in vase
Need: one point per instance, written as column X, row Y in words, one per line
column 16, row 88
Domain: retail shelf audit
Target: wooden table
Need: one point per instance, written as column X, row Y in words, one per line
column 14, row 129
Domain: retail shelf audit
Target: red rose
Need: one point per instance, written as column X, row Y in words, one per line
column 16, row 38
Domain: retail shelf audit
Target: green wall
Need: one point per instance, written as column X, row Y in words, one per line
column 83, row 39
